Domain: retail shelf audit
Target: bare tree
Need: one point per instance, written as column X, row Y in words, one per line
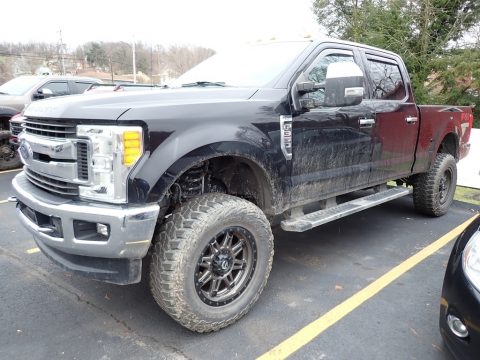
column 182, row 58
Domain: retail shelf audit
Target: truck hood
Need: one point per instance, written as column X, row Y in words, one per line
column 110, row 106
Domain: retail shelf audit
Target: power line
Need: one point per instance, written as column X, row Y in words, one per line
column 52, row 57
column 31, row 56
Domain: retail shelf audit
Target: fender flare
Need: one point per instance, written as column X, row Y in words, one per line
column 260, row 160
column 453, row 151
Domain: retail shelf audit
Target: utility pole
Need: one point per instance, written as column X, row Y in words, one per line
column 111, row 67
column 133, row 61
column 62, row 53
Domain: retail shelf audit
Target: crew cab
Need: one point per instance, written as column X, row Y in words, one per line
column 190, row 179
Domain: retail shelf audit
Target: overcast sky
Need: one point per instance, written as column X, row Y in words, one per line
column 212, row 23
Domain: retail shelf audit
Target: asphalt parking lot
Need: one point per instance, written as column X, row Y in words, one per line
column 46, row 313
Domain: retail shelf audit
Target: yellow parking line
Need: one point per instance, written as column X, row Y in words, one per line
column 3, row 201
column 315, row 328
column 33, row 251
column 9, row 171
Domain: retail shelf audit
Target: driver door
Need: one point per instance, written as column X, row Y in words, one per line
column 331, row 147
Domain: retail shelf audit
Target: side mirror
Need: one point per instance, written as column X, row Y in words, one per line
column 343, row 84
column 305, row 87
column 46, row 92
column 43, row 93
column 309, row 86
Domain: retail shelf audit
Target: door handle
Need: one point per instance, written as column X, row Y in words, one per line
column 366, row 123
column 411, row 119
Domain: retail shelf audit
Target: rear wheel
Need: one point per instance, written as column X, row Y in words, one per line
column 211, row 261
column 433, row 191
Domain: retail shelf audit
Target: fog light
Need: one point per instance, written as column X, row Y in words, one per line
column 103, row 229
column 457, row 326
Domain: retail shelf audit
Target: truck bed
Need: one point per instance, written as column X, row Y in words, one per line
column 436, row 122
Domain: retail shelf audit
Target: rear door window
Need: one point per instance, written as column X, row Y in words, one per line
column 386, row 79
column 81, row 86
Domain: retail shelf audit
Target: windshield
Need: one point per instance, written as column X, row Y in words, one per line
column 253, row 66
column 18, row 86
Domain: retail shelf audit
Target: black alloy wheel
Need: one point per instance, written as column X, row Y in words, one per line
column 226, row 266
column 445, row 186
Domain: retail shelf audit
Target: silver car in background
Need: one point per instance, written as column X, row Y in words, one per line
column 19, row 92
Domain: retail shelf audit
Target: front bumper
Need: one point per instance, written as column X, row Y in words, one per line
column 58, row 227
column 461, row 299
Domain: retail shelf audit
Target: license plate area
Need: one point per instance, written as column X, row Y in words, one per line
column 42, row 220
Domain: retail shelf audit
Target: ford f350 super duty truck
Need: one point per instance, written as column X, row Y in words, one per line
column 190, row 179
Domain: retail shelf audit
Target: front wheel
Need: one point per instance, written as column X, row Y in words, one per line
column 211, row 261
column 433, row 191
column 9, row 157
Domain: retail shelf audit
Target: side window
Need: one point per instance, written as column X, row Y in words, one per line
column 58, row 88
column 387, row 82
column 82, row 86
column 318, row 71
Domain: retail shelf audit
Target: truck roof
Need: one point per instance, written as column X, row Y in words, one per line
column 60, row 77
column 322, row 39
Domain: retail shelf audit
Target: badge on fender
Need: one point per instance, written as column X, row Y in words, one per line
column 286, row 135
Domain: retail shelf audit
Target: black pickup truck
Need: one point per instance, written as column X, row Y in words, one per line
column 190, row 179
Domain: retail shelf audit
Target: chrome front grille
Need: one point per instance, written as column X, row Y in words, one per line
column 15, row 128
column 54, row 158
column 49, row 128
column 50, row 184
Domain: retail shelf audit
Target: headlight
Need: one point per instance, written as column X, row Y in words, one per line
column 114, row 152
column 471, row 260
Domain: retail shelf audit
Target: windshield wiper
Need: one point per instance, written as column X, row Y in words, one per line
column 204, row 83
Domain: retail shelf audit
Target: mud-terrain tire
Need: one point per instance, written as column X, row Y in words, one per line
column 433, row 191
column 211, row 261
column 9, row 157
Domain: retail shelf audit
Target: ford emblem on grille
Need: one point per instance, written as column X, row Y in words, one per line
column 25, row 150
column 56, row 148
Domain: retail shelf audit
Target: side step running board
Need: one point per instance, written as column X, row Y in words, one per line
column 320, row 217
